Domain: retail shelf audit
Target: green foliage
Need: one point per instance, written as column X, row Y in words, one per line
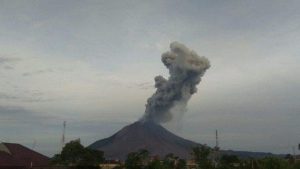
column 274, row 163
column 203, row 159
column 141, row 160
column 181, row 164
column 296, row 166
column 173, row 162
column 74, row 154
column 170, row 161
column 155, row 164
column 228, row 161
column 118, row 167
column 137, row 160
column 200, row 155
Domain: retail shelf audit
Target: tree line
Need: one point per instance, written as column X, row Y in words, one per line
column 74, row 154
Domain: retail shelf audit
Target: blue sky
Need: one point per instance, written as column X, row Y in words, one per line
column 92, row 63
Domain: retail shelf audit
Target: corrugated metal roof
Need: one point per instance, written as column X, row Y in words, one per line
column 3, row 148
column 21, row 156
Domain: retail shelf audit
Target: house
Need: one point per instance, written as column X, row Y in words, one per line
column 19, row 156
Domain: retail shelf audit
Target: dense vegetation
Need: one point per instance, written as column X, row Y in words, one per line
column 204, row 158
column 74, row 154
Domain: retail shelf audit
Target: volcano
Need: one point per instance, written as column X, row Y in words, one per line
column 144, row 135
column 186, row 69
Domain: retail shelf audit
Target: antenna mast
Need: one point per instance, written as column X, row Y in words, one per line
column 216, row 154
column 63, row 135
column 217, row 141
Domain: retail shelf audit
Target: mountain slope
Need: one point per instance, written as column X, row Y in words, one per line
column 144, row 135
column 157, row 140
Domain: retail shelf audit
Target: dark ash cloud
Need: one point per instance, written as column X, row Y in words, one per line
column 186, row 68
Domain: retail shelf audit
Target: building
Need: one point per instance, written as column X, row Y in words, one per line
column 19, row 156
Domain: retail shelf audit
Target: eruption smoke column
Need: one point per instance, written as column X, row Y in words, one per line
column 186, row 69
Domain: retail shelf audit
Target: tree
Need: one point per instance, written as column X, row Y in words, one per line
column 170, row 161
column 92, row 157
column 290, row 158
column 137, row 160
column 228, row 161
column 155, row 164
column 273, row 163
column 74, row 154
column 201, row 155
column 181, row 164
column 296, row 166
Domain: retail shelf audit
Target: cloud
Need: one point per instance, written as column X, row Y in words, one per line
column 140, row 85
column 18, row 114
column 37, row 72
column 6, row 59
column 27, row 96
column 145, row 85
column 11, row 110
column 8, row 67
column 8, row 62
column 7, row 96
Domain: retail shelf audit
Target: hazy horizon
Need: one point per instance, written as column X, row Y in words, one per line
column 92, row 64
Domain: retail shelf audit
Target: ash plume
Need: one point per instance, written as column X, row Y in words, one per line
column 186, row 68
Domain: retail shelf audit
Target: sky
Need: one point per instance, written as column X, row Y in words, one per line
column 92, row 64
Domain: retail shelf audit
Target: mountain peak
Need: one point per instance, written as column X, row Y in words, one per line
column 144, row 135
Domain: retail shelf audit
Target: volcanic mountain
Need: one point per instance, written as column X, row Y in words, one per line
column 144, row 135
column 186, row 69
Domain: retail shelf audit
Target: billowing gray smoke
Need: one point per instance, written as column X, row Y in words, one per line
column 186, row 69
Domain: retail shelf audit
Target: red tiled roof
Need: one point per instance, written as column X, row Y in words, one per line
column 21, row 156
